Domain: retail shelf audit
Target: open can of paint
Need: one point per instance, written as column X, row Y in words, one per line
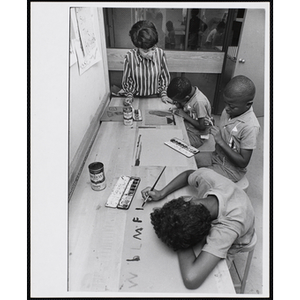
column 97, row 176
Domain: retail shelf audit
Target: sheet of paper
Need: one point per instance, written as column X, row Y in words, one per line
column 85, row 42
column 155, row 153
column 158, row 117
column 113, row 113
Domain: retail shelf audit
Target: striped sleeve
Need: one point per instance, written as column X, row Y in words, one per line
column 164, row 78
column 128, row 83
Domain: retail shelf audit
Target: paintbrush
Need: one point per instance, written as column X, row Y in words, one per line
column 153, row 186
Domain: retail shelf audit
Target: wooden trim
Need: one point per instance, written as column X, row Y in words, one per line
column 86, row 144
column 178, row 61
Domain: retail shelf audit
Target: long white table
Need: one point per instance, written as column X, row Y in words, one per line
column 114, row 250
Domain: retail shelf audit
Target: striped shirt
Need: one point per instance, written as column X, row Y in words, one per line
column 145, row 77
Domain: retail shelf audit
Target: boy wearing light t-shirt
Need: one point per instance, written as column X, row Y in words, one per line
column 221, row 217
column 236, row 135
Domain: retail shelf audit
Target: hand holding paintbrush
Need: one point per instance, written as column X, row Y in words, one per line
column 146, row 193
column 209, row 121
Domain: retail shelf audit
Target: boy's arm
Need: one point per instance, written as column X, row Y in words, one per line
column 177, row 183
column 194, row 270
column 201, row 124
column 239, row 159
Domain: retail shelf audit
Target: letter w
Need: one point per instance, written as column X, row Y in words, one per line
column 129, row 279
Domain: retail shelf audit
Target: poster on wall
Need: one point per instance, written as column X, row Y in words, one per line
column 83, row 38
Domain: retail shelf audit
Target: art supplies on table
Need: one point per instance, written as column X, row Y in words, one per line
column 128, row 115
column 138, row 151
column 116, row 114
column 182, row 147
column 137, row 115
column 123, row 192
column 97, row 176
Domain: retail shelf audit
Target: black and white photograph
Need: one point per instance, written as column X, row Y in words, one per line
column 151, row 149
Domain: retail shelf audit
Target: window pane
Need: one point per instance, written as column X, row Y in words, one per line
column 180, row 29
column 204, row 30
column 231, row 57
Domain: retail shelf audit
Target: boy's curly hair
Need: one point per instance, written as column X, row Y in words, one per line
column 144, row 34
column 180, row 224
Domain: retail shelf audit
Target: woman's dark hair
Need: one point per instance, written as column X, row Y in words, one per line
column 144, row 34
column 180, row 224
column 179, row 87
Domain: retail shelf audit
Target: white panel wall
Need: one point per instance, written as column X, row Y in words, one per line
column 87, row 91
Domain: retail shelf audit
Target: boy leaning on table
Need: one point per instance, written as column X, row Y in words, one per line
column 193, row 106
column 221, row 218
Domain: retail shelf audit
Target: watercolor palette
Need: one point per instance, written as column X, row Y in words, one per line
column 182, row 147
column 123, row 192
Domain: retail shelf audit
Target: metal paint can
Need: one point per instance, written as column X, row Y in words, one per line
column 97, row 176
column 128, row 115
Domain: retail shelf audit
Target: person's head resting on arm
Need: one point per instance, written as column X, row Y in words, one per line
column 181, row 224
column 144, row 36
column 238, row 95
column 180, row 90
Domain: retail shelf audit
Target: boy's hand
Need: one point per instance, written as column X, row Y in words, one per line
column 208, row 121
column 215, row 131
column 177, row 104
column 153, row 195
column 178, row 112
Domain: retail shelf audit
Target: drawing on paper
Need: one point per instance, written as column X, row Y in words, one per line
column 83, row 38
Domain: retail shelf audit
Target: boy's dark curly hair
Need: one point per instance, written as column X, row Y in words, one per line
column 144, row 34
column 180, row 224
column 179, row 87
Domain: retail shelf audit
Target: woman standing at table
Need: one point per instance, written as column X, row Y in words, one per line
column 145, row 68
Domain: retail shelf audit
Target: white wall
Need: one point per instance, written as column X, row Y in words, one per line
column 87, row 91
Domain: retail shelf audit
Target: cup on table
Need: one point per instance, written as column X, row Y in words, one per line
column 97, row 176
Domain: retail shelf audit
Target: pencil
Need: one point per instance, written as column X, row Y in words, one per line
column 154, row 185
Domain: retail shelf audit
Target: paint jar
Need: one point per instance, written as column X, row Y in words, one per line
column 128, row 115
column 97, row 176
